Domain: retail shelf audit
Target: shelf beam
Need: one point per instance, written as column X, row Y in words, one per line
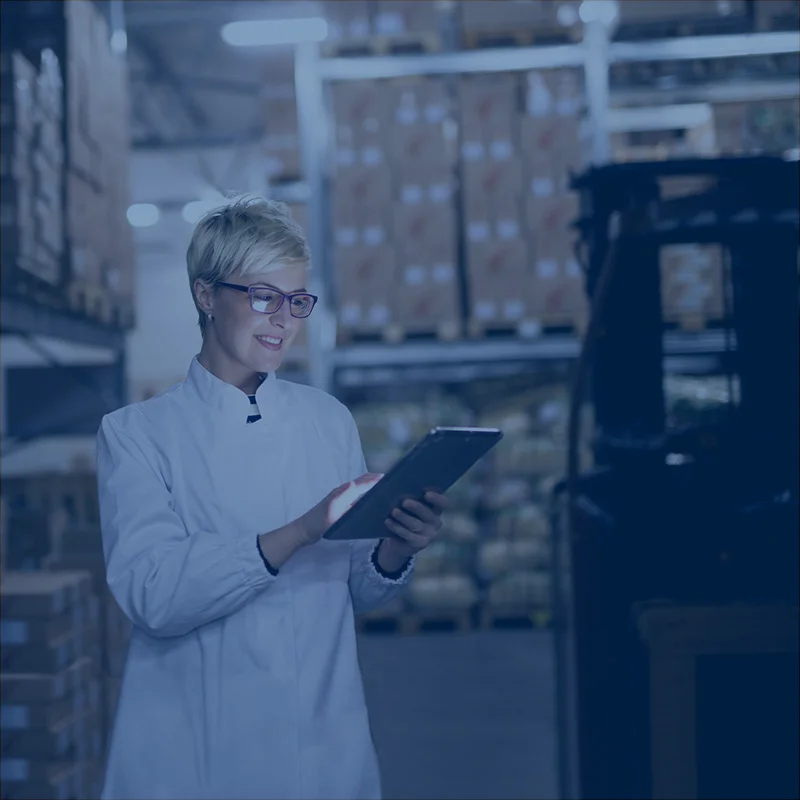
column 28, row 319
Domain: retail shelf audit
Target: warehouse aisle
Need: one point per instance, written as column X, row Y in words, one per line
column 463, row 715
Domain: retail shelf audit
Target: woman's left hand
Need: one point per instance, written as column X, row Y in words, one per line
column 416, row 524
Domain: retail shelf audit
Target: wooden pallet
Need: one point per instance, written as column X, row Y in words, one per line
column 410, row 623
column 483, row 40
column 514, row 619
column 692, row 323
column 394, row 334
column 528, row 328
column 421, row 42
column 667, row 29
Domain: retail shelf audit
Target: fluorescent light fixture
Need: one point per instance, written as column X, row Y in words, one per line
column 143, row 215
column 266, row 32
column 193, row 211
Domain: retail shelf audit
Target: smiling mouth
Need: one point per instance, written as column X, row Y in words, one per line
column 273, row 342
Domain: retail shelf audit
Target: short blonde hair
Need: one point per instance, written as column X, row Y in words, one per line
column 246, row 235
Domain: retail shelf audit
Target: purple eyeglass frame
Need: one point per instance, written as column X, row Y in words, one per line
column 251, row 290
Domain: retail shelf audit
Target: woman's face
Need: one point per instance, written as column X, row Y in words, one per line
column 249, row 340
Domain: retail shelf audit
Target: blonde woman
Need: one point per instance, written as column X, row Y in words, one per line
column 242, row 679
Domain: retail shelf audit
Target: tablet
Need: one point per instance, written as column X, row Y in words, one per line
column 435, row 463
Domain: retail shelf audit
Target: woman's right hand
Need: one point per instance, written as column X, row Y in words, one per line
column 315, row 522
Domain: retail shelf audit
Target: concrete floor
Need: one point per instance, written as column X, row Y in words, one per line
column 463, row 715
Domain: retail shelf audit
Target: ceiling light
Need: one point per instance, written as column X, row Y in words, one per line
column 193, row 211
column 143, row 215
column 265, row 32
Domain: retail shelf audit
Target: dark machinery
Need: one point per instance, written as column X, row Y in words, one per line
column 688, row 519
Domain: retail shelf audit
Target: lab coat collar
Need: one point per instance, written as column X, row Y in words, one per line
column 227, row 398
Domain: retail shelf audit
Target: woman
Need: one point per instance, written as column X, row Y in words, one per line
column 242, row 679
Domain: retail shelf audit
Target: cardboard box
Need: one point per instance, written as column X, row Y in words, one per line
column 281, row 139
column 418, row 182
column 414, row 101
column 487, row 16
column 427, row 299
column 401, row 17
column 498, row 279
column 488, row 112
column 551, row 150
column 425, row 234
column 362, row 205
column 366, row 277
column 361, row 118
column 646, row 11
column 492, row 199
column 774, row 15
column 348, row 19
column 692, row 282
column 421, row 144
column 554, row 92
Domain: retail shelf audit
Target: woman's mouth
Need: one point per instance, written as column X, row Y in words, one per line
column 270, row 342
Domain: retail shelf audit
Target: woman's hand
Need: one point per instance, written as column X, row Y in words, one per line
column 315, row 522
column 414, row 525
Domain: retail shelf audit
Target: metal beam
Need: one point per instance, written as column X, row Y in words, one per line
column 199, row 142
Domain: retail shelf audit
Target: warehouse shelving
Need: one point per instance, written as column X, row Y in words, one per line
column 596, row 54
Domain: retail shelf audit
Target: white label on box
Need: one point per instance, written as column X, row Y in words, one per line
column 540, row 99
column 378, row 315
column 473, row 151
column 407, row 114
column 350, row 313
column 443, row 273
column 501, row 150
column 485, row 310
column 507, row 229
column 373, row 234
column 547, row 268
column 543, row 187
column 15, row 718
column 478, row 231
column 435, row 113
column 412, row 194
column 371, row 156
column 513, row 309
column 14, row 769
column 414, row 276
column 439, row 192
column 573, row 268
column 346, row 236
column 13, row 631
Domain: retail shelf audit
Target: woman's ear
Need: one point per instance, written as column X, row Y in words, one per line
column 204, row 297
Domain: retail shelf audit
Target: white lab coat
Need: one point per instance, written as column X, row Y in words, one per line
column 238, row 683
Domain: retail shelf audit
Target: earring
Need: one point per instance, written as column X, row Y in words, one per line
column 210, row 317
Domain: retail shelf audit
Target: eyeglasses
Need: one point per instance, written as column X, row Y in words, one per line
column 267, row 300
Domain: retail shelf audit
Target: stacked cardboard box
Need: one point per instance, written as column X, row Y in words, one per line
column 771, row 15
column 551, row 151
column 770, row 127
column 644, row 14
column 87, row 153
column 483, row 18
column 394, row 227
column 424, row 220
column 691, row 284
column 51, row 725
column 32, row 159
column 281, row 140
column 496, row 251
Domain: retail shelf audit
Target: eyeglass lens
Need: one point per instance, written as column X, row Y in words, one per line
column 268, row 302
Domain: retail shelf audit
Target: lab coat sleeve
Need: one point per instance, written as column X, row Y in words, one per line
column 369, row 587
column 168, row 580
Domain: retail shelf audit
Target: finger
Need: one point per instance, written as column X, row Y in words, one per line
column 413, row 524
column 437, row 501
column 421, row 511
column 405, row 534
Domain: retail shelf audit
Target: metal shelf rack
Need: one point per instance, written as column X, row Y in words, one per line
column 596, row 53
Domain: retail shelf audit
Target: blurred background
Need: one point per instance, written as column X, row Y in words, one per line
column 576, row 221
